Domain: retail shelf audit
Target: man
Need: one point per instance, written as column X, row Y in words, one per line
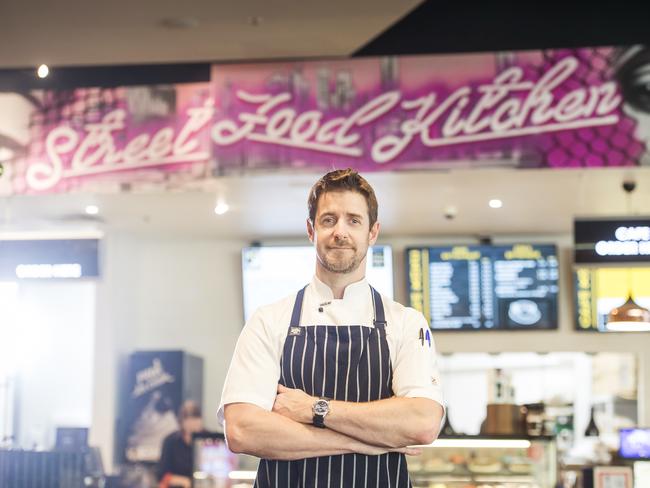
column 331, row 385
column 175, row 465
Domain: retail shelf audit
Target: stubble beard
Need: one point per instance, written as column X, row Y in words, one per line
column 342, row 266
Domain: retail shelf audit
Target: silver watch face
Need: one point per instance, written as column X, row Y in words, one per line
column 321, row 407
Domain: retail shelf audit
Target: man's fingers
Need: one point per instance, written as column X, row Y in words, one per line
column 282, row 388
column 412, row 451
column 409, row 451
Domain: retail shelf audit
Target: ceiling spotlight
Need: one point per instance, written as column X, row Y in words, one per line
column 6, row 154
column 221, row 208
column 495, row 203
column 92, row 209
column 43, row 71
column 255, row 20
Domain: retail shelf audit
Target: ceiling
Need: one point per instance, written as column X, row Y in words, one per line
column 82, row 32
column 162, row 41
column 267, row 207
column 70, row 33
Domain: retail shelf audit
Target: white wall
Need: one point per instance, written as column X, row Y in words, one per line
column 55, row 375
column 170, row 292
column 114, row 319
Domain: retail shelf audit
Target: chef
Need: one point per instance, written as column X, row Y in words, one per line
column 331, row 385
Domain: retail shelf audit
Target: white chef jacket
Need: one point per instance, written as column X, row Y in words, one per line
column 255, row 367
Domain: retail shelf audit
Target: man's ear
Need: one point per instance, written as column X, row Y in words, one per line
column 310, row 231
column 374, row 233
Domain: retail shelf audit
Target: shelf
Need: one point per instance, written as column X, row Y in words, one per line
column 485, row 478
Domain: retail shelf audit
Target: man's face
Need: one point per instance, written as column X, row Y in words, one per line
column 192, row 425
column 341, row 231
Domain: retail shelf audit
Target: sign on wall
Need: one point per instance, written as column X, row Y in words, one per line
column 49, row 259
column 533, row 109
column 622, row 240
column 158, row 383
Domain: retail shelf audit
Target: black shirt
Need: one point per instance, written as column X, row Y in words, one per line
column 176, row 456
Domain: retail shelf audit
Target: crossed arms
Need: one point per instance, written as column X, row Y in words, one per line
column 286, row 432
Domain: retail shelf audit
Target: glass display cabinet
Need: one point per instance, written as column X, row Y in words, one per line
column 486, row 461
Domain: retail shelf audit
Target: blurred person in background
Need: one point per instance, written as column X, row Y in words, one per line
column 175, row 465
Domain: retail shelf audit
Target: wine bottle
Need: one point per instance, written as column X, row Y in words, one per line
column 592, row 428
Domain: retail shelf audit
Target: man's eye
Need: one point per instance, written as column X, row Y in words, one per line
column 328, row 220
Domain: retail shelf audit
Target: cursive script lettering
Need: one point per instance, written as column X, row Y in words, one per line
column 95, row 150
column 304, row 131
column 498, row 115
column 151, row 378
column 508, row 106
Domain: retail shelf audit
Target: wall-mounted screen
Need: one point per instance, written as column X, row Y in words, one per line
column 273, row 272
column 511, row 287
column 634, row 443
column 49, row 258
column 621, row 240
column 599, row 290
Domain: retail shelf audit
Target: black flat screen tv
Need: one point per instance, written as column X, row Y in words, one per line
column 457, row 288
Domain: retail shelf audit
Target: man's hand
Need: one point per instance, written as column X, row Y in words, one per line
column 369, row 450
column 294, row 404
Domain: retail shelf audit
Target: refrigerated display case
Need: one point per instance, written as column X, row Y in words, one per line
column 486, row 461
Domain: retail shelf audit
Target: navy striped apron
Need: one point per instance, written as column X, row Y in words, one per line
column 348, row 363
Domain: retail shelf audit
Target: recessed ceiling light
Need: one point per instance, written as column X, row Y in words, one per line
column 221, row 208
column 92, row 209
column 255, row 20
column 179, row 23
column 496, row 203
column 5, row 154
column 43, row 71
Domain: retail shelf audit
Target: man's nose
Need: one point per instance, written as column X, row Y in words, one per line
column 341, row 230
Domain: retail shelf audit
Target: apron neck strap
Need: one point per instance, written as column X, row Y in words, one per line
column 297, row 308
column 378, row 305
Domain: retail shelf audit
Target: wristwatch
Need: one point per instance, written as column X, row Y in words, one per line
column 320, row 409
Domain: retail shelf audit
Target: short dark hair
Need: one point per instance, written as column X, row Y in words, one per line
column 189, row 409
column 343, row 180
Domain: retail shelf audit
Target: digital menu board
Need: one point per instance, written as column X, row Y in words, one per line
column 511, row 287
column 599, row 290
